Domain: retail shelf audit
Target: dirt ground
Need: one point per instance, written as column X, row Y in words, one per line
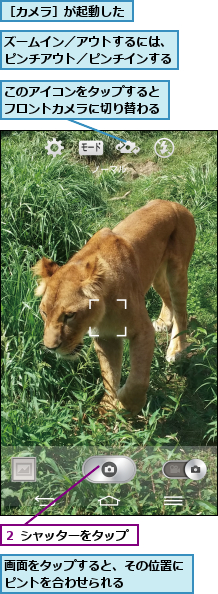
column 137, row 169
column 129, row 168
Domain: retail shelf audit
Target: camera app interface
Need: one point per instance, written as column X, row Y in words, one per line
column 109, row 322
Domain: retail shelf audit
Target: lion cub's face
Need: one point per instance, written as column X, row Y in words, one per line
column 64, row 308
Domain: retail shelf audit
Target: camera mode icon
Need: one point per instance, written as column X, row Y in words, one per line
column 195, row 469
column 109, row 469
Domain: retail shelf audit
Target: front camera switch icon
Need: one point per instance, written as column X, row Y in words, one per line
column 128, row 147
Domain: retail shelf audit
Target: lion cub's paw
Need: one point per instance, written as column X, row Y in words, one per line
column 161, row 326
column 107, row 405
column 171, row 356
column 131, row 406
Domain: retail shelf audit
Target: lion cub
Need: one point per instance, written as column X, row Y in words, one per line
column 101, row 291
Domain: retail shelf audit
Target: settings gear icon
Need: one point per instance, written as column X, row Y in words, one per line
column 54, row 153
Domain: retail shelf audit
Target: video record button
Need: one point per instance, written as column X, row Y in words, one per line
column 113, row 469
column 175, row 469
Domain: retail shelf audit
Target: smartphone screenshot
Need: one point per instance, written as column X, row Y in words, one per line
column 109, row 298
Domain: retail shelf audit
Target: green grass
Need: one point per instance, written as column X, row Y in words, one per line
column 50, row 207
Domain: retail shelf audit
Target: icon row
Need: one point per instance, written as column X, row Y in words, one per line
column 113, row 469
column 163, row 148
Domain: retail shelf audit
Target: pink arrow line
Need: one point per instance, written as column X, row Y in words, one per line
column 59, row 497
